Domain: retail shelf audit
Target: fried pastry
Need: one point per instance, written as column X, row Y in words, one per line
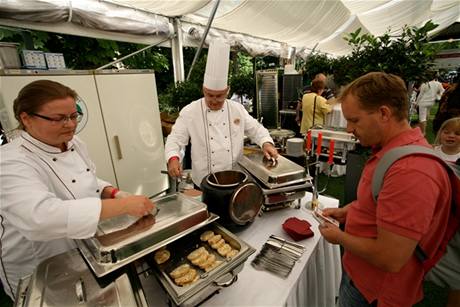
column 187, row 278
column 196, row 253
column 214, row 239
column 202, row 259
column 161, row 256
column 232, row 253
column 180, row 271
column 224, row 250
column 218, row 244
column 209, row 262
column 205, row 236
column 214, row 265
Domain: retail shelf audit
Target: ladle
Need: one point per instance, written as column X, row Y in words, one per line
column 215, row 177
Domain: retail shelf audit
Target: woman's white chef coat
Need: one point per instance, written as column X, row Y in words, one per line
column 47, row 198
column 217, row 137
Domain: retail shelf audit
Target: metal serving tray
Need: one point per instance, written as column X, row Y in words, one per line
column 273, row 175
column 66, row 280
column 119, row 241
column 221, row 276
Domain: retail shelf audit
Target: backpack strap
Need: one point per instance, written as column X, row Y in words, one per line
column 382, row 167
column 392, row 156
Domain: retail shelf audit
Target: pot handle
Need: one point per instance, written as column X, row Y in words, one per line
column 227, row 283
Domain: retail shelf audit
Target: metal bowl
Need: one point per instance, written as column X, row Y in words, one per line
column 226, row 179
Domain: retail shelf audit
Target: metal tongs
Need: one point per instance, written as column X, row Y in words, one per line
column 290, row 249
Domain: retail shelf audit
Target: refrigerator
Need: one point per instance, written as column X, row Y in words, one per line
column 121, row 123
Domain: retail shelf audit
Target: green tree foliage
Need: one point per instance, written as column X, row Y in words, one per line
column 90, row 53
column 408, row 55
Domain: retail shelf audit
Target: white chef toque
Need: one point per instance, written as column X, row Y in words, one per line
column 216, row 74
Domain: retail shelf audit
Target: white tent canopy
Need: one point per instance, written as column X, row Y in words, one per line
column 261, row 27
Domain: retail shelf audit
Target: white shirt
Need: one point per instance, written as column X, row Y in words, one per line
column 447, row 157
column 429, row 92
column 216, row 136
column 47, row 197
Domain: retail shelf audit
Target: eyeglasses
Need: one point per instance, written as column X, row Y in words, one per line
column 75, row 117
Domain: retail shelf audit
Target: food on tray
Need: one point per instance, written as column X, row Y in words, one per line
column 196, row 253
column 202, row 259
column 214, row 265
column 232, row 253
column 214, row 239
column 180, row 271
column 161, row 256
column 224, row 250
column 205, row 236
column 209, row 262
column 187, row 278
column 218, row 244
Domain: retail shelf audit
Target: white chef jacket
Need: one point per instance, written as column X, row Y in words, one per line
column 217, row 137
column 47, row 198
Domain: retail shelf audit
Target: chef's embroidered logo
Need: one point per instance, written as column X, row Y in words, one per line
column 83, row 109
column 236, row 121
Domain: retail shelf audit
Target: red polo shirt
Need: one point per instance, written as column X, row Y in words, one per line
column 414, row 202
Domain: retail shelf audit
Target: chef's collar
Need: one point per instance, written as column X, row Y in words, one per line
column 45, row 147
column 209, row 110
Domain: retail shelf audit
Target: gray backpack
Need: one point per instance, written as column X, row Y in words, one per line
column 451, row 240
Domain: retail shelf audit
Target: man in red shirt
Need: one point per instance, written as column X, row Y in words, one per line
column 413, row 205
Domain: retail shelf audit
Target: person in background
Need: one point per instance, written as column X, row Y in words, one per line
column 379, row 240
column 49, row 192
column 449, row 106
column 214, row 125
column 447, row 142
column 428, row 93
column 314, row 107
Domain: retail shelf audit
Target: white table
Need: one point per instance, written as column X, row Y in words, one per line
column 314, row 280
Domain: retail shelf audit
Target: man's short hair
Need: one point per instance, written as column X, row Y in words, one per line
column 317, row 85
column 376, row 89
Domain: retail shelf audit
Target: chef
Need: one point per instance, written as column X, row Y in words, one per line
column 214, row 125
column 49, row 192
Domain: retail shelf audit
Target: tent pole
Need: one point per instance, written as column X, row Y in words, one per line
column 133, row 53
column 203, row 39
column 177, row 52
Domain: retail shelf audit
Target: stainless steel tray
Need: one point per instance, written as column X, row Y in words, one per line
column 65, row 280
column 221, row 276
column 117, row 244
column 280, row 174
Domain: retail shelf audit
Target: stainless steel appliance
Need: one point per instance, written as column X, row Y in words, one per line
column 282, row 182
column 117, row 266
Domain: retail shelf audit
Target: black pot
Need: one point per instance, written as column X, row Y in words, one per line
column 231, row 195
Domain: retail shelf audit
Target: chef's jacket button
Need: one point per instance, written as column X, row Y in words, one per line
column 213, row 165
column 87, row 169
column 228, row 150
column 54, row 159
column 225, row 137
column 210, row 125
column 212, row 138
column 212, row 151
column 73, row 181
column 97, row 191
column 72, row 149
column 224, row 124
